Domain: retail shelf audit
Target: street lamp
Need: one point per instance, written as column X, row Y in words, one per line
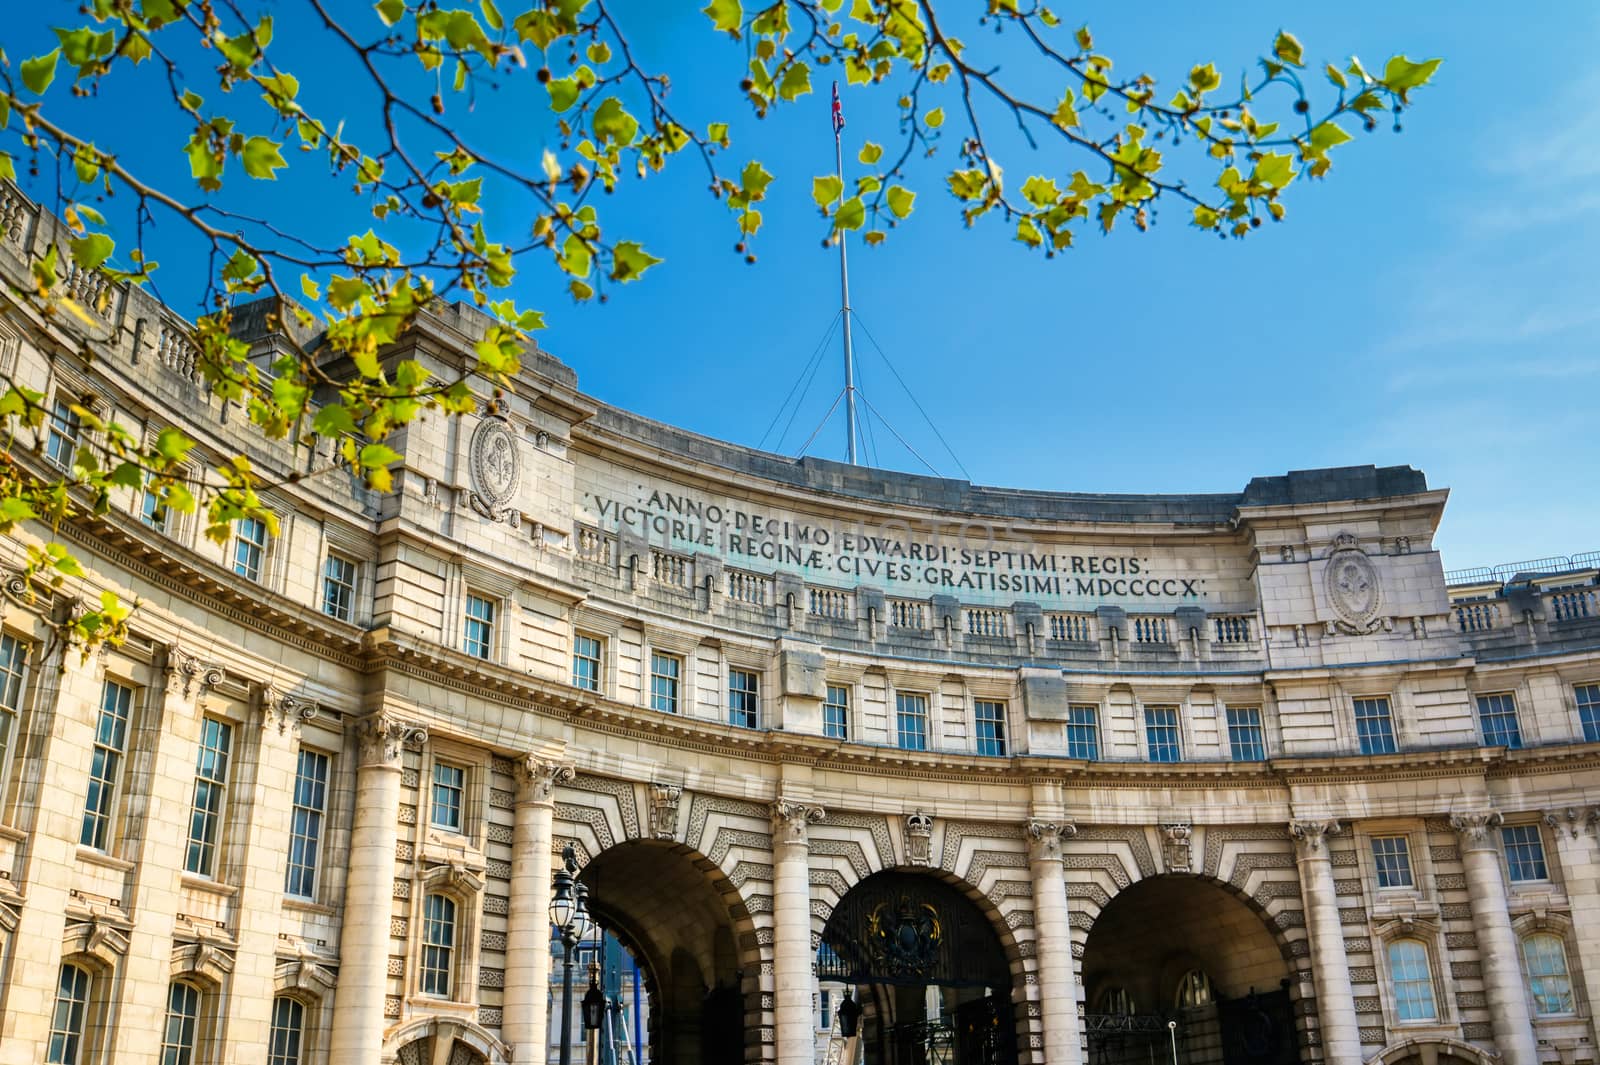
column 594, row 1000
column 569, row 912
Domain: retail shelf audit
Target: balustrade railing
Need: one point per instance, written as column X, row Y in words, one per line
column 985, row 621
column 675, row 570
column 751, row 588
column 1574, row 604
column 907, row 614
column 1075, row 628
column 828, row 603
column 595, row 546
column 1232, row 628
column 1151, row 630
column 1476, row 617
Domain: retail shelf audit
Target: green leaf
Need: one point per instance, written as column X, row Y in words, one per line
column 1288, row 49
column 575, row 256
column 563, row 94
column 39, row 72
column 262, row 158
column 870, row 153
column 1336, row 77
column 1275, row 169
column 901, row 200
column 172, row 445
column 717, row 133
column 91, row 251
column 851, row 214
column 796, row 81
column 934, row 118
column 754, row 179
column 825, row 190
column 1205, row 78
column 1040, row 191
column 1401, row 74
column 629, row 260
column 611, row 122
column 1028, row 233
column 725, row 15
column 1205, row 217
column 491, row 15
column 1327, row 135
column 13, row 510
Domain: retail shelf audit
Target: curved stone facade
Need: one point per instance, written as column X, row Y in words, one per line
column 1254, row 736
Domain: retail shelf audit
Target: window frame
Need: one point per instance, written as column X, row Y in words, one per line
column 177, row 1054
column 299, row 1033
column 1589, row 729
column 1176, row 726
column 490, row 624
column 319, row 843
column 749, row 698
column 209, row 849
column 900, row 718
column 329, row 581
column 1510, row 865
column 1259, row 724
column 67, row 428
column 1387, row 718
column 1378, row 862
column 1541, row 932
column 1430, row 981
column 239, row 541
column 1093, row 725
column 461, row 790
column 1501, row 712
column 105, row 817
column 82, row 1050
column 843, row 724
column 675, row 679
column 597, row 660
column 14, row 692
column 997, row 721
column 451, row 950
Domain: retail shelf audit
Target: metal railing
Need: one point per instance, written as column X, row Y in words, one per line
column 1507, row 570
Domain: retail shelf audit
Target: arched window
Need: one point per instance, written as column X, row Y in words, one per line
column 1194, row 990
column 288, row 1031
column 438, row 944
column 183, row 1020
column 1412, row 981
column 1116, row 1001
column 1548, row 979
column 67, row 1022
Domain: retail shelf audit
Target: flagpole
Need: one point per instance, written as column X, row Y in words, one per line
column 844, row 291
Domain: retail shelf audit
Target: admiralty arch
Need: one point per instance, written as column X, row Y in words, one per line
column 856, row 766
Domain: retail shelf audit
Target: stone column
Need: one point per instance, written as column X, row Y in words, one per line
column 1336, row 1005
column 1058, row 992
column 1497, row 947
column 527, row 986
column 1574, row 832
column 369, row 889
column 791, row 930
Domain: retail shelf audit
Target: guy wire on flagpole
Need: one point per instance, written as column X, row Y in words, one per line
column 844, row 290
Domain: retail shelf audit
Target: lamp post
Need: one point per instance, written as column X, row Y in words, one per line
column 569, row 912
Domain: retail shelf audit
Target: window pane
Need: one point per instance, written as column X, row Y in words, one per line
column 479, row 632
column 438, row 943
column 110, row 740
column 1524, row 852
column 1392, row 856
column 1589, row 711
column 249, row 547
column 210, row 783
column 911, row 721
column 1497, row 714
column 305, row 825
column 836, row 712
column 183, row 1017
column 13, row 661
column 339, row 587
column 586, row 662
column 67, row 1019
column 664, row 671
column 744, row 697
column 288, row 1032
column 61, row 445
column 1161, row 733
column 990, row 718
column 1413, row 981
column 449, row 784
column 1083, row 732
column 1374, row 728
column 1546, row 959
column 1245, row 737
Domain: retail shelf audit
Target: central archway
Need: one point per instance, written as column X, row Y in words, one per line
column 928, row 969
column 1186, row 950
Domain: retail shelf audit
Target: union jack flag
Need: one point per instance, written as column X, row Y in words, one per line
column 838, row 112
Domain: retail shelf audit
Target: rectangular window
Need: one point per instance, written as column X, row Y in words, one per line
column 210, row 784
column 1392, row 857
column 183, row 1021
column 480, row 626
column 1497, row 715
column 339, row 587
column 1245, row 737
column 665, row 673
column 13, row 670
column 449, row 786
column 64, row 435
column 288, row 1031
column 1161, row 734
column 586, row 658
column 305, row 825
column 110, row 745
column 438, row 944
column 744, row 697
column 152, row 511
column 67, row 1020
column 1083, row 732
column 824, row 1009
column 249, row 547
column 836, row 712
column 1589, row 710
column 1524, row 853
column 990, row 719
column 911, row 721
column 1413, row 981
column 1374, row 726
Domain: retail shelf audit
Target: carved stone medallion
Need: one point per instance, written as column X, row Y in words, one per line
column 1352, row 586
column 496, row 467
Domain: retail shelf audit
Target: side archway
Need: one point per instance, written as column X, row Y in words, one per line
column 449, row 1039
column 1437, row 1051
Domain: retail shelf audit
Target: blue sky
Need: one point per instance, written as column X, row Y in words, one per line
column 1434, row 302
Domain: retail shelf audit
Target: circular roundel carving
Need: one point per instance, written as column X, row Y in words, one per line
column 496, row 464
column 1352, row 585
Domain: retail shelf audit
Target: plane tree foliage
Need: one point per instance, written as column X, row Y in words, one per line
column 1102, row 150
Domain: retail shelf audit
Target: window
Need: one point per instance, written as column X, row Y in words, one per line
column 249, row 547
column 305, row 824
column 438, row 944
column 110, row 744
column 825, row 1009
column 744, row 697
column 1117, row 1001
column 990, row 719
column 68, row 1019
column 1497, row 715
column 339, row 587
column 665, row 671
column 1392, row 857
column 1589, row 710
column 1548, row 979
column 1524, row 853
column 586, row 652
column 13, row 667
column 288, row 1031
column 1194, row 990
column 183, row 1018
column 1374, row 728
column 210, row 783
column 911, row 721
column 480, row 626
column 1083, row 732
column 836, row 712
column 1245, row 738
column 152, row 511
column 64, row 435
column 1412, row 980
column 1161, row 733
column 449, row 784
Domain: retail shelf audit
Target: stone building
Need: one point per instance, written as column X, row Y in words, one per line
column 1044, row 778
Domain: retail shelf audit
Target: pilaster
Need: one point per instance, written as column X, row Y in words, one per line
column 1058, row 992
column 527, row 980
column 791, row 940
column 1497, row 947
column 1336, row 1005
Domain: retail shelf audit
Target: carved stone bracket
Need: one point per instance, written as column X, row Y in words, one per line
column 383, row 737
column 285, row 712
column 791, row 821
column 1308, row 834
column 1045, row 838
column 537, row 778
column 919, row 836
column 456, row 876
column 204, row 959
column 664, row 800
column 189, row 676
column 1175, row 838
column 1572, row 820
column 1474, row 828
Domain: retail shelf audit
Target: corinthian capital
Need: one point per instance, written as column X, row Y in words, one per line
column 1046, row 837
column 383, row 736
column 537, row 778
column 791, row 821
column 1308, row 833
column 1474, row 826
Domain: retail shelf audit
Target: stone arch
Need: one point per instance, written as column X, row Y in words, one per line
column 473, row 1044
column 1433, row 1051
